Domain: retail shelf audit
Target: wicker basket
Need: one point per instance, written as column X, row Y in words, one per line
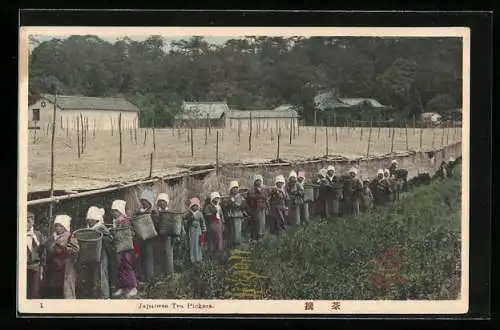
column 90, row 242
column 170, row 223
column 122, row 238
column 310, row 194
column 144, row 227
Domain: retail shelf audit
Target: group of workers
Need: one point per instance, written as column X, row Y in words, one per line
column 211, row 227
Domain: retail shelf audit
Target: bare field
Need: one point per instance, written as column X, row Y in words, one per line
column 99, row 164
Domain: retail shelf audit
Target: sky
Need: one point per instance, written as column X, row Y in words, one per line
column 112, row 38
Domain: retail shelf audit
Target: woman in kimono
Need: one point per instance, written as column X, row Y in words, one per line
column 295, row 193
column 165, row 242
column 62, row 251
column 146, row 254
column 382, row 189
column 391, row 181
column 215, row 218
column 235, row 209
column 194, row 222
column 318, row 206
column 352, row 197
column 333, row 195
column 100, row 271
column 258, row 204
column 304, row 208
column 367, row 197
column 126, row 281
column 35, row 249
column 278, row 208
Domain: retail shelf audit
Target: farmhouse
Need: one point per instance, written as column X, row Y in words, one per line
column 330, row 105
column 281, row 116
column 199, row 114
column 101, row 113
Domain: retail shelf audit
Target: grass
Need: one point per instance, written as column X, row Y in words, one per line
column 410, row 250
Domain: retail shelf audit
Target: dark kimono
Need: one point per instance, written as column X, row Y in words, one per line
column 278, row 210
column 258, row 204
column 333, row 195
column 235, row 211
column 353, row 192
column 60, row 279
column 35, row 254
column 382, row 191
column 295, row 192
column 126, row 275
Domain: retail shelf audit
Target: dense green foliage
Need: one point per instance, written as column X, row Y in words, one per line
column 341, row 259
column 418, row 237
column 411, row 74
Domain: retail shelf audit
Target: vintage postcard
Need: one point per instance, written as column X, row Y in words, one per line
column 256, row 170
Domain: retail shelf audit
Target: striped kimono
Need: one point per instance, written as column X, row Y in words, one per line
column 194, row 222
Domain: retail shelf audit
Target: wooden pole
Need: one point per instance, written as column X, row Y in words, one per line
column 278, row 151
column 406, row 137
column 250, row 134
column 369, row 140
column 111, row 120
column 433, row 138
column 447, row 134
column 361, row 136
column 335, row 126
column 83, row 132
column 413, row 124
column 217, row 154
column 298, row 127
column 326, row 134
column 62, row 127
column 378, row 134
column 93, row 132
column 52, row 142
column 293, row 126
column 421, row 134
column 291, row 131
column 442, row 138
column 151, row 165
column 145, row 136
column 239, row 131
column 206, row 132
column 67, row 127
column 78, row 136
column 392, row 140
column 192, row 142
column 154, row 135
column 120, row 134
column 315, row 128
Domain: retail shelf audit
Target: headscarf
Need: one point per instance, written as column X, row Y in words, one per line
column 149, row 196
column 292, row 174
column 119, row 205
column 63, row 220
column 451, row 160
column 95, row 213
column 301, row 174
column 386, row 171
column 258, row 177
column 214, row 195
column 394, row 162
column 279, row 178
column 353, row 170
column 323, row 172
column 380, row 171
column 330, row 168
column 194, row 201
column 163, row 197
column 233, row 184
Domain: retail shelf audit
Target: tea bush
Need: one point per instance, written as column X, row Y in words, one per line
column 410, row 250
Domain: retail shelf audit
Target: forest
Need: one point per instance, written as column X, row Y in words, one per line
column 412, row 75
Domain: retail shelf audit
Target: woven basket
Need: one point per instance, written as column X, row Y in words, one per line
column 122, row 238
column 310, row 192
column 144, row 227
column 170, row 223
column 90, row 242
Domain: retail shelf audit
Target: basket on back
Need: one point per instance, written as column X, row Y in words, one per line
column 143, row 226
column 90, row 242
column 170, row 223
column 122, row 238
column 311, row 192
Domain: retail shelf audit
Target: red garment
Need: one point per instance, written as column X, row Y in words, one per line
column 137, row 247
column 213, row 218
column 202, row 239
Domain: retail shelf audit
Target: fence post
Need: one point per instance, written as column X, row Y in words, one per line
column 406, row 137
column 192, row 143
column 151, row 165
column 52, row 141
column 78, row 136
column 217, row 154
column 120, row 134
column 278, row 151
column 315, row 128
column 369, row 140
column 291, row 128
column 392, row 140
column 83, row 132
column 433, row 138
column 421, row 133
column 326, row 134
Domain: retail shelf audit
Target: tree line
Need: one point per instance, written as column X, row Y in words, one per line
column 413, row 75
